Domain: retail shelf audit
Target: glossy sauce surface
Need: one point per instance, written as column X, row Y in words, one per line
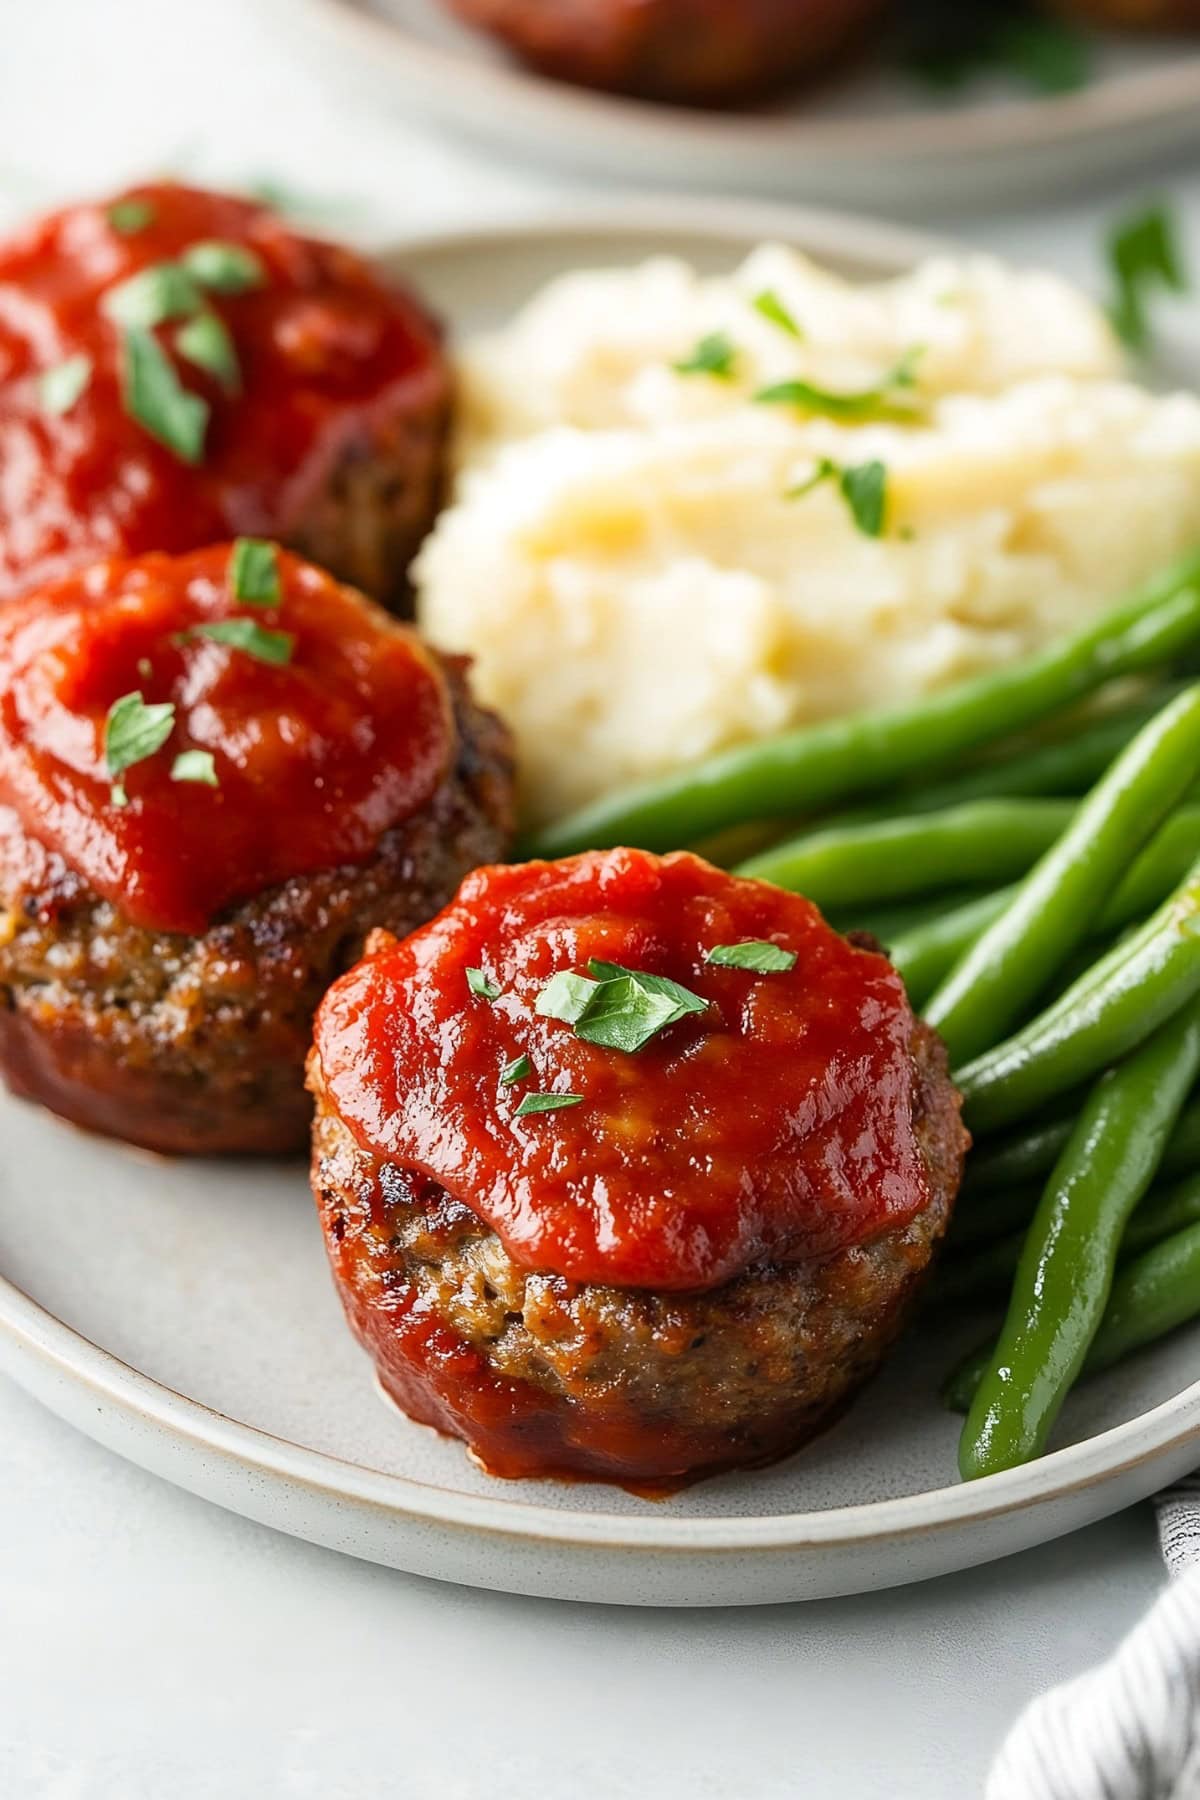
column 315, row 758
column 777, row 1125
column 323, row 351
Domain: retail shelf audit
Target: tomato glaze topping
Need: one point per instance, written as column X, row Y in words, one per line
column 322, row 351
column 776, row 1125
column 314, row 757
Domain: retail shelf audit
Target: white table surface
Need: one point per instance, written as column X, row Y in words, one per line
column 153, row 1646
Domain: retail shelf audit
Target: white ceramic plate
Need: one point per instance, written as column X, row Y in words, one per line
column 872, row 139
column 182, row 1312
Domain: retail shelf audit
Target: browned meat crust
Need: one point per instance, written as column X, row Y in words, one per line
column 367, row 521
column 707, row 52
column 196, row 1045
column 733, row 1377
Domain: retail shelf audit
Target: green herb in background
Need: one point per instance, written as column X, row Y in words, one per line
column 155, row 397
column 205, row 342
column 947, row 43
column 159, row 292
column 254, row 571
column 1144, row 253
column 249, row 636
column 881, row 401
column 60, row 387
column 713, row 355
column 130, row 216
column 195, row 765
column 224, row 267
column 773, row 309
column 863, row 486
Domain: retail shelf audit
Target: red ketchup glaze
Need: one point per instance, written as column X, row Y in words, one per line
column 776, row 1126
column 325, row 351
column 315, row 758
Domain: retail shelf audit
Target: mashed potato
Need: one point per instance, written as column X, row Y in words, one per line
column 624, row 563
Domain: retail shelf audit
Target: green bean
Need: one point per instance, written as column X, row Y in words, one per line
column 1013, row 962
column 1156, row 1294
column 1022, row 1157
column 1066, row 1269
column 867, row 752
column 1140, row 983
column 925, row 953
column 979, row 1219
column 989, row 840
column 988, row 1268
column 1055, row 768
column 1151, row 1295
column 1182, row 1154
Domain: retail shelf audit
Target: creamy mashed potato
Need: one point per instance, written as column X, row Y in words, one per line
column 624, row 563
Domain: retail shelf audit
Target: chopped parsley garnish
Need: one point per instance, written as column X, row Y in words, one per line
column 546, row 1103
column 479, row 984
column 879, row 401
column 248, row 635
column 1143, row 253
column 864, row 489
column 516, row 1070
column 565, row 996
column 759, row 957
column 863, row 486
column 713, row 355
column 254, row 571
column 772, row 307
column 130, row 216
column 195, row 765
column 225, row 268
column 155, row 397
column 159, row 292
column 684, row 999
column 621, row 1009
column 206, row 342
column 133, row 731
column 60, row 387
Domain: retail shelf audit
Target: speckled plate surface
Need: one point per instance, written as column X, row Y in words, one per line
column 871, row 137
column 183, row 1314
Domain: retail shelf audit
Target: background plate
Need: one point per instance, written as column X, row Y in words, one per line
column 874, row 138
column 182, row 1312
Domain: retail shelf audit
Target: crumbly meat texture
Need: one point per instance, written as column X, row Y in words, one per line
column 708, row 52
column 733, row 1377
column 368, row 519
column 197, row 1045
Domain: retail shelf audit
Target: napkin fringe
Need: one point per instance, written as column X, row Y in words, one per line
column 1129, row 1729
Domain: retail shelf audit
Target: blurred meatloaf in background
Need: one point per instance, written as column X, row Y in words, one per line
column 702, row 52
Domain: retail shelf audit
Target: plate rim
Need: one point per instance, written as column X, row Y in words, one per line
column 29, row 1329
column 1120, row 103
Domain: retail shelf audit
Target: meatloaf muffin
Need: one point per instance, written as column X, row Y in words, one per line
column 178, row 367
column 207, row 801
column 628, row 1169
column 706, row 52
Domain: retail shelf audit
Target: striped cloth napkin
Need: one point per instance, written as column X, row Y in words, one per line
column 1130, row 1729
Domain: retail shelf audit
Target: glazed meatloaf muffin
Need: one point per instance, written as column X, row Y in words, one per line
column 628, row 1169
column 178, row 367
column 218, row 773
column 707, row 52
